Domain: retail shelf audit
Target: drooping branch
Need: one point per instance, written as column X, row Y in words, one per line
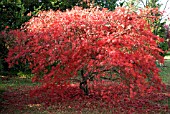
column 111, row 79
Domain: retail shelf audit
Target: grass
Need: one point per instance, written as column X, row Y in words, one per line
column 21, row 79
column 168, row 53
column 165, row 72
column 15, row 82
column 165, row 69
column 25, row 80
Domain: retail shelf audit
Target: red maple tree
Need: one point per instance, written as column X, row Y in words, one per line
column 87, row 45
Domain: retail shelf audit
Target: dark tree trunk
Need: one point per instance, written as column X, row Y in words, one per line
column 83, row 83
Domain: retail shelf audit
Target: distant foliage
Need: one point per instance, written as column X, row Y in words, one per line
column 89, row 45
column 110, row 4
column 158, row 23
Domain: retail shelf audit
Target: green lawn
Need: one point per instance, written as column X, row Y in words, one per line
column 165, row 72
column 21, row 79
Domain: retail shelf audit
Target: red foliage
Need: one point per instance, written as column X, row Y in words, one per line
column 61, row 46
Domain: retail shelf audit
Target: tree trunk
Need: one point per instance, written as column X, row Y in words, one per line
column 83, row 84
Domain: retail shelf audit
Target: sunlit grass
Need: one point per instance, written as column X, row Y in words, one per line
column 15, row 82
column 165, row 71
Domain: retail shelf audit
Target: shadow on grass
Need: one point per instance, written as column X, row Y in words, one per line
column 13, row 82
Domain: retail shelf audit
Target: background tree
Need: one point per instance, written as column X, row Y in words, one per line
column 157, row 25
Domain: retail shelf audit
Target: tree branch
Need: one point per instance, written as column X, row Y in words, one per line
column 111, row 79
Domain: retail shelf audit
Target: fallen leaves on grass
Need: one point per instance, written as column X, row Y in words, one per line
column 109, row 98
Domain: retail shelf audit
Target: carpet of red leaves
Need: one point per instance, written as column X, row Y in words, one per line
column 111, row 98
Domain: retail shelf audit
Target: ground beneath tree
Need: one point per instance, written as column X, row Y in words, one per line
column 102, row 99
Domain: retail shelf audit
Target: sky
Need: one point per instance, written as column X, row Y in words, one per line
column 167, row 9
